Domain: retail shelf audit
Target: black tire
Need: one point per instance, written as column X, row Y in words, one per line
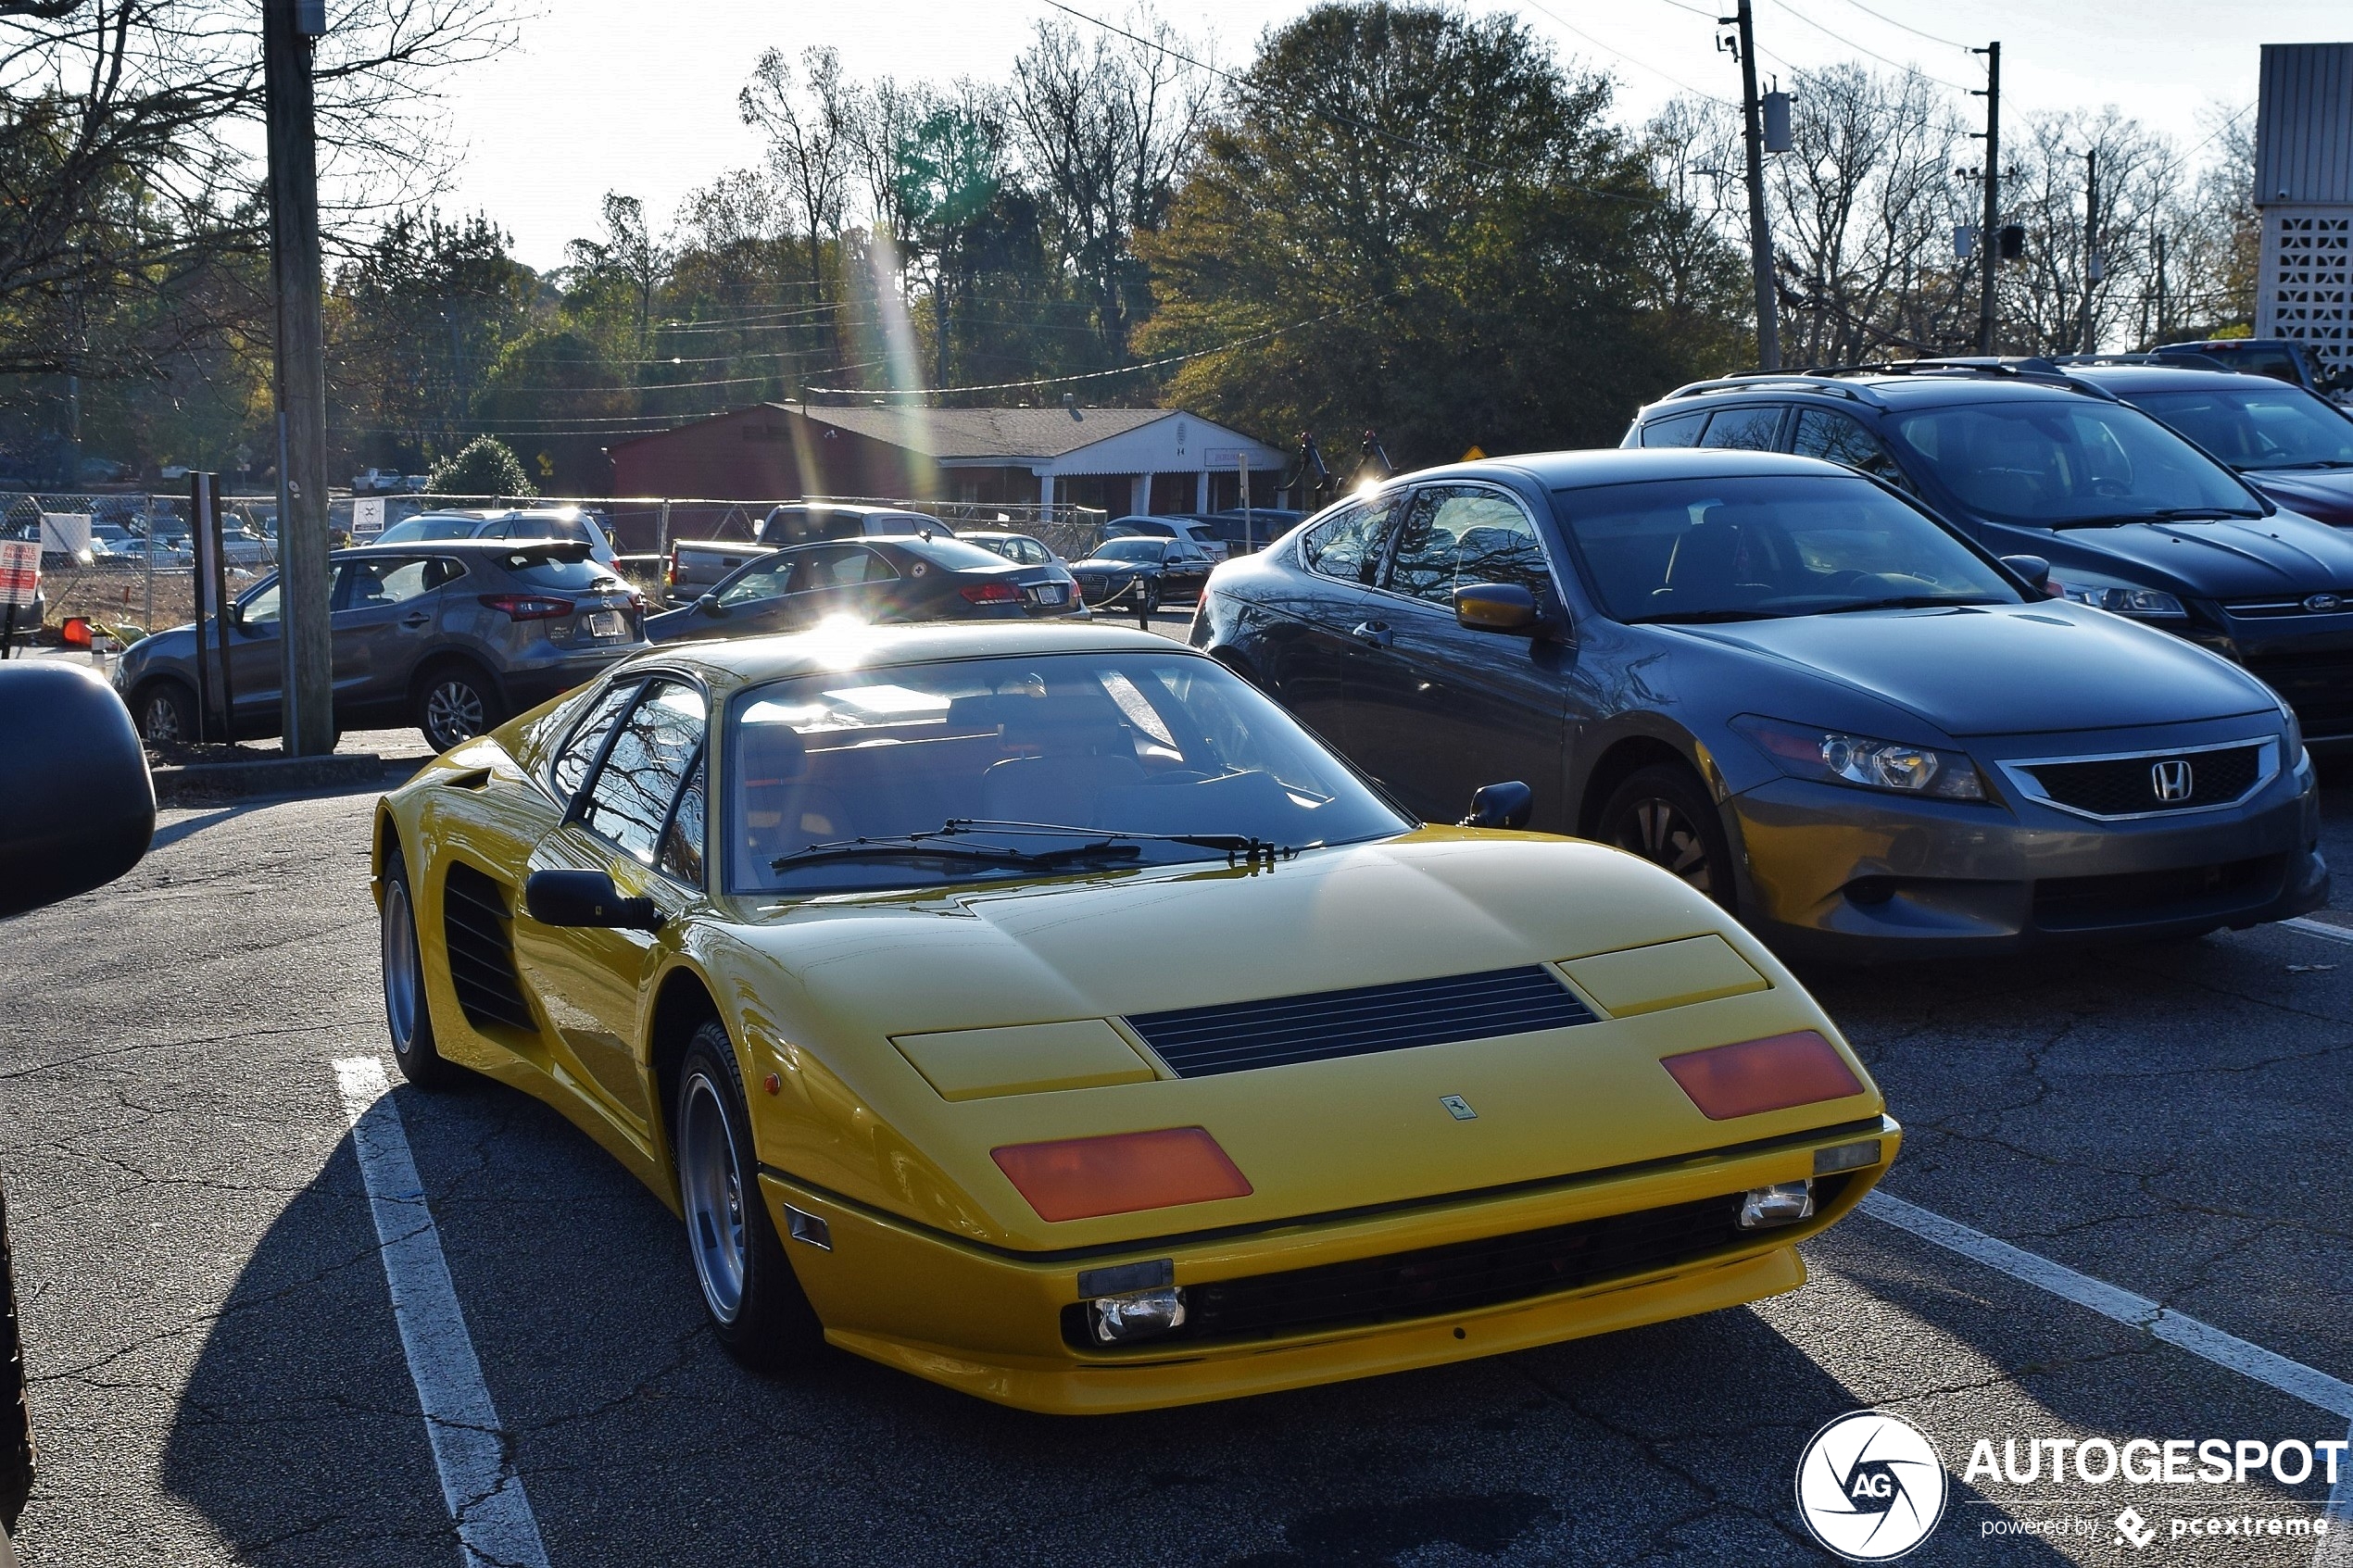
column 1663, row 814
column 16, row 1419
column 750, row 1292
column 407, row 1017
column 166, row 712
column 453, row 702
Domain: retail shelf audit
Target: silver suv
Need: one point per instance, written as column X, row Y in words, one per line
column 453, row 636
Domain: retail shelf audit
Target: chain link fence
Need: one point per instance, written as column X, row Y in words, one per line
column 125, row 560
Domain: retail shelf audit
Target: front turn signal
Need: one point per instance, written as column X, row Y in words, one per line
column 1772, row 1073
column 1084, row 1178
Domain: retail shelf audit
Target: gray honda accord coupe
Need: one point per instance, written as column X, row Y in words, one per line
column 1792, row 685
column 452, row 636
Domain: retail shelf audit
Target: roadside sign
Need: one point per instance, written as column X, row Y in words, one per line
column 367, row 516
column 19, row 572
column 67, row 534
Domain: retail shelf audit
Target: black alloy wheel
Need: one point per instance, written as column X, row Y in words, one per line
column 1663, row 814
column 455, row 703
column 166, row 714
column 406, row 1015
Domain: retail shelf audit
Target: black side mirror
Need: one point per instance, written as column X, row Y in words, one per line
column 586, row 899
column 2033, row 569
column 708, row 603
column 81, row 808
column 1500, row 806
column 1497, row 606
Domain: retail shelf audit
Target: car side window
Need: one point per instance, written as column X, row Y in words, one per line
column 769, row 579
column 839, row 565
column 1676, row 430
column 1457, row 535
column 1836, row 438
column 682, row 836
column 379, row 580
column 1347, row 544
column 628, row 803
column 1744, row 430
column 572, row 761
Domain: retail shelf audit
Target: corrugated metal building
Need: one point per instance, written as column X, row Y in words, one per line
column 1119, row 460
column 2304, row 189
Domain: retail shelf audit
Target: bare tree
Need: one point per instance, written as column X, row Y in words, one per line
column 1103, row 128
column 2044, row 298
column 2214, row 240
column 810, row 123
column 628, row 254
column 127, row 145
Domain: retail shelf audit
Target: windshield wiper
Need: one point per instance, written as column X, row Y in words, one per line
column 2315, row 463
column 1230, row 844
column 919, row 846
column 2163, row 514
column 1693, row 617
column 1913, row 601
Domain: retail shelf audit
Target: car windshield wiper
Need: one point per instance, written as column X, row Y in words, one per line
column 1911, row 601
column 1230, row 844
column 2163, row 514
column 921, row 846
column 1693, row 617
column 2315, row 463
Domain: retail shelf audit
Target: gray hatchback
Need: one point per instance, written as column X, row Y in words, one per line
column 453, row 636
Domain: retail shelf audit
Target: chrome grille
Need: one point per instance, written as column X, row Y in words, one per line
column 2148, row 784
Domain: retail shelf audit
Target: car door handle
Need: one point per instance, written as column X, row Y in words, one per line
column 1375, row 633
column 415, row 620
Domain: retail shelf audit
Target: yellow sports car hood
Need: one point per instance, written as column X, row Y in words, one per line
column 906, row 1032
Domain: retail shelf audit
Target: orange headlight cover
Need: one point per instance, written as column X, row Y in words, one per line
column 1084, row 1178
column 1772, row 1073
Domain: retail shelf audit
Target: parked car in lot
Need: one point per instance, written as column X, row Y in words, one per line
column 1790, row 685
column 807, row 523
column 80, row 812
column 852, row 946
column 2281, row 358
column 1246, row 530
column 451, row 636
column 2295, row 447
column 1203, row 539
column 1156, row 570
column 1022, row 549
column 2131, row 518
column 567, row 524
column 907, row 578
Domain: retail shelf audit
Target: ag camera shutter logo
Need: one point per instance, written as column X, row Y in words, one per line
column 1869, row 1486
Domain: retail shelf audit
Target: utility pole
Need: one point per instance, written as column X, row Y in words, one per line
column 1988, row 242
column 307, row 696
column 1760, row 238
column 2091, row 241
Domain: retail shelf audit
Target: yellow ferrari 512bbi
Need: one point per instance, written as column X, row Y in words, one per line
column 1042, row 1010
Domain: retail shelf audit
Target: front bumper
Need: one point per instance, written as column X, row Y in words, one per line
column 1848, row 874
column 989, row 1321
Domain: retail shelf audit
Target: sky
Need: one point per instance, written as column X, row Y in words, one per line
column 640, row 98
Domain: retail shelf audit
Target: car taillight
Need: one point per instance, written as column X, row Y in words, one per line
column 1772, row 1073
column 528, row 606
column 991, row 594
column 1082, row 1178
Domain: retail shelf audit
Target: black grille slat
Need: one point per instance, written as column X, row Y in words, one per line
column 1236, row 1037
column 1459, row 1277
column 474, row 930
column 2082, row 903
column 2319, row 687
column 2121, row 786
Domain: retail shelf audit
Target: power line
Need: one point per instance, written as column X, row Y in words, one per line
column 1621, row 54
column 1907, row 27
column 1849, row 43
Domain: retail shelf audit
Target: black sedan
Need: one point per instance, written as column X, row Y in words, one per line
column 909, row 577
column 2295, row 447
column 1793, row 686
column 1142, row 570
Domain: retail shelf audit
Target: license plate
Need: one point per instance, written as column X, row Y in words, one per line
column 608, row 623
column 1049, row 594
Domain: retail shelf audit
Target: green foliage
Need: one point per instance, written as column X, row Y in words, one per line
column 1456, row 217
column 486, row 466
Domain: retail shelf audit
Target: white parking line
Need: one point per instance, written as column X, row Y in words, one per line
column 2320, row 928
column 478, row 1480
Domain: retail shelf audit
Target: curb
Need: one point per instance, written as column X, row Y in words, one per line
column 203, row 782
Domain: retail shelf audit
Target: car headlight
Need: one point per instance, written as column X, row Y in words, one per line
column 1835, row 756
column 2122, row 599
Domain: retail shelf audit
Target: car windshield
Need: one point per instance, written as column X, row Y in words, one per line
column 942, row 550
column 2069, row 463
column 2252, row 423
column 1056, row 759
column 418, row 530
column 1133, row 549
column 1765, row 546
column 535, row 571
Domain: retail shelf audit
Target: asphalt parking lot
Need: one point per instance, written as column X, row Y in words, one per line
column 218, row 1377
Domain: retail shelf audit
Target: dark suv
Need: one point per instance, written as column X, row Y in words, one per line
column 2131, row 518
column 454, row 636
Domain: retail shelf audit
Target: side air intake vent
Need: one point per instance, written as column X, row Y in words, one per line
column 1201, row 1042
column 474, row 923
